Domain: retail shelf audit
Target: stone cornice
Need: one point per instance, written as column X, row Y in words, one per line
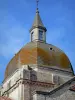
column 55, row 69
column 45, row 84
column 29, row 82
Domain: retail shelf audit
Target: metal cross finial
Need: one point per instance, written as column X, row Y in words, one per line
column 37, row 1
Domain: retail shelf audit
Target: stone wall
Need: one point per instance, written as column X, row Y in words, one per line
column 31, row 88
column 69, row 95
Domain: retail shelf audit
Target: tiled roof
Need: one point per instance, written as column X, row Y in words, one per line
column 4, row 98
column 40, row 54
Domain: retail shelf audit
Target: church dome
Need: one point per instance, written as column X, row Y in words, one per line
column 39, row 53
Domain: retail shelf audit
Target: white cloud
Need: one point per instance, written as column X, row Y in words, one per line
column 12, row 43
column 10, row 48
column 12, row 36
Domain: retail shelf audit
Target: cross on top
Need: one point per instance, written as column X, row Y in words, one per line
column 37, row 1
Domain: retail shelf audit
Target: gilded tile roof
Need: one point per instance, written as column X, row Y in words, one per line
column 40, row 54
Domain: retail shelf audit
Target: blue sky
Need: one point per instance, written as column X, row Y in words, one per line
column 16, row 18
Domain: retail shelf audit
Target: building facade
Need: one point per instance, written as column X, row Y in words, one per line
column 39, row 71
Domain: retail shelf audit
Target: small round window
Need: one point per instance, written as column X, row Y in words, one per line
column 51, row 48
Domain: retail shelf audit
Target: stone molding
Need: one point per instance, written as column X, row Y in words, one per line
column 66, row 85
column 29, row 82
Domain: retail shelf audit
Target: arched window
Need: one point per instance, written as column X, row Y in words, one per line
column 32, row 36
column 40, row 35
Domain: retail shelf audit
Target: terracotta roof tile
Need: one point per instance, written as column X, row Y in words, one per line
column 4, row 98
column 72, row 88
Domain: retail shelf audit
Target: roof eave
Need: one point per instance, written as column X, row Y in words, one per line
column 40, row 27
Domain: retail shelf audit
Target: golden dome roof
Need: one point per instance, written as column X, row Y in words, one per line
column 41, row 54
